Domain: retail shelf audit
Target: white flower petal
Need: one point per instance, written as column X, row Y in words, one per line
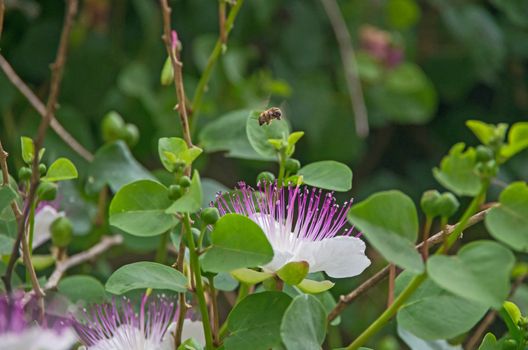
column 339, row 257
column 36, row 338
column 43, row 220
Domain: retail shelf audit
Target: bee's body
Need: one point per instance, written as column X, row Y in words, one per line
column 268, row 115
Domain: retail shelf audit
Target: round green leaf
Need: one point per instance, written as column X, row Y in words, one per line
column 479, row 272
column 82, row 288
column 425, row 312
column 256, row 321
column 304, row 324
column 508, row 222
column 7, row 195
column 327, row 174
column 143, row 275
column 259, row 135
column 139, row 209
column 236, row 242
column 61, row 169
column 390, row 223
column 115, row 166
column 457, row 171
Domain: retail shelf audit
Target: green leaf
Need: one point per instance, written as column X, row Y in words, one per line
column 174, row 150
column 258, row 135
column 7, row 195
column 139, row 209
column 314, row 287
column 228, row 133
column 517, row 140
column 249, row 276
column 255, row 322
column 42, row 261
column 485, row 132
column 490, row 343
column 390, row 223
column 6, row 245
column 327, row 174
column 28, row 149
column 82, row 288
column 515, row 10
column 508, row 222
column 115, row 166
column 457, row 171
column 304, row 324
column 143, row 275
column 191, row 201
column 236, row 242
column 479, row 272
column 415, row 343
column 293, row 272
column 425, row 312
column 60, row 170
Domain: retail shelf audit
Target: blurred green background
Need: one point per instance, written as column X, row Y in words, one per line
column 425, row 67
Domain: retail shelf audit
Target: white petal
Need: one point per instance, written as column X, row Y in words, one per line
column 36, row 338
column 43, row 220
column 193, row 329
column 339, row 257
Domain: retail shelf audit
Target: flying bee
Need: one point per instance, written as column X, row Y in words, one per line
column 268, row 115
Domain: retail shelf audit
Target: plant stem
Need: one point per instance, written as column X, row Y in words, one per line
column 387, row 314
column 417, row 281
column 195, row 266
column 426, row 232
column 161, row 252
column 214, row 305
column 211, row 62
column 31, row 227
column 282, row 167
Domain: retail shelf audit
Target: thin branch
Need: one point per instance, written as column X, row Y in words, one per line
column 211, row 62
column 348, row 59
column 172, row 45
column 475, row 339
column 35, row 102
column 221, row 20
column 2, row 12
column 106, row 243
column 345, row 300
column 56, row 78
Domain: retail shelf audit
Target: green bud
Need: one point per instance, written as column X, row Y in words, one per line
column 185, row 181
column 210, row 215
column 113, row 127
column 175, row 192
column 292, row 166
column 42, row 169
column 47, row 191
column 24, row 173
column 447, row 204
column 484, row 153
column 61, row 232
column 131, row 134
column 265, row 176
column 167, row 73
column 429, row 202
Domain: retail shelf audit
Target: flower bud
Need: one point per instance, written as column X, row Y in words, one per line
column 447, row 204
column 113, row 127
column 265, row 176
column 429, row 201
column 292, row 166
column 185, row 181
column 24, row 173
column 61, row 232
column 210, row 215
column 131, row 134
column 42, row 169
column 175, row 192
column 484, row 153
column 47, row 191
column 167, row 73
